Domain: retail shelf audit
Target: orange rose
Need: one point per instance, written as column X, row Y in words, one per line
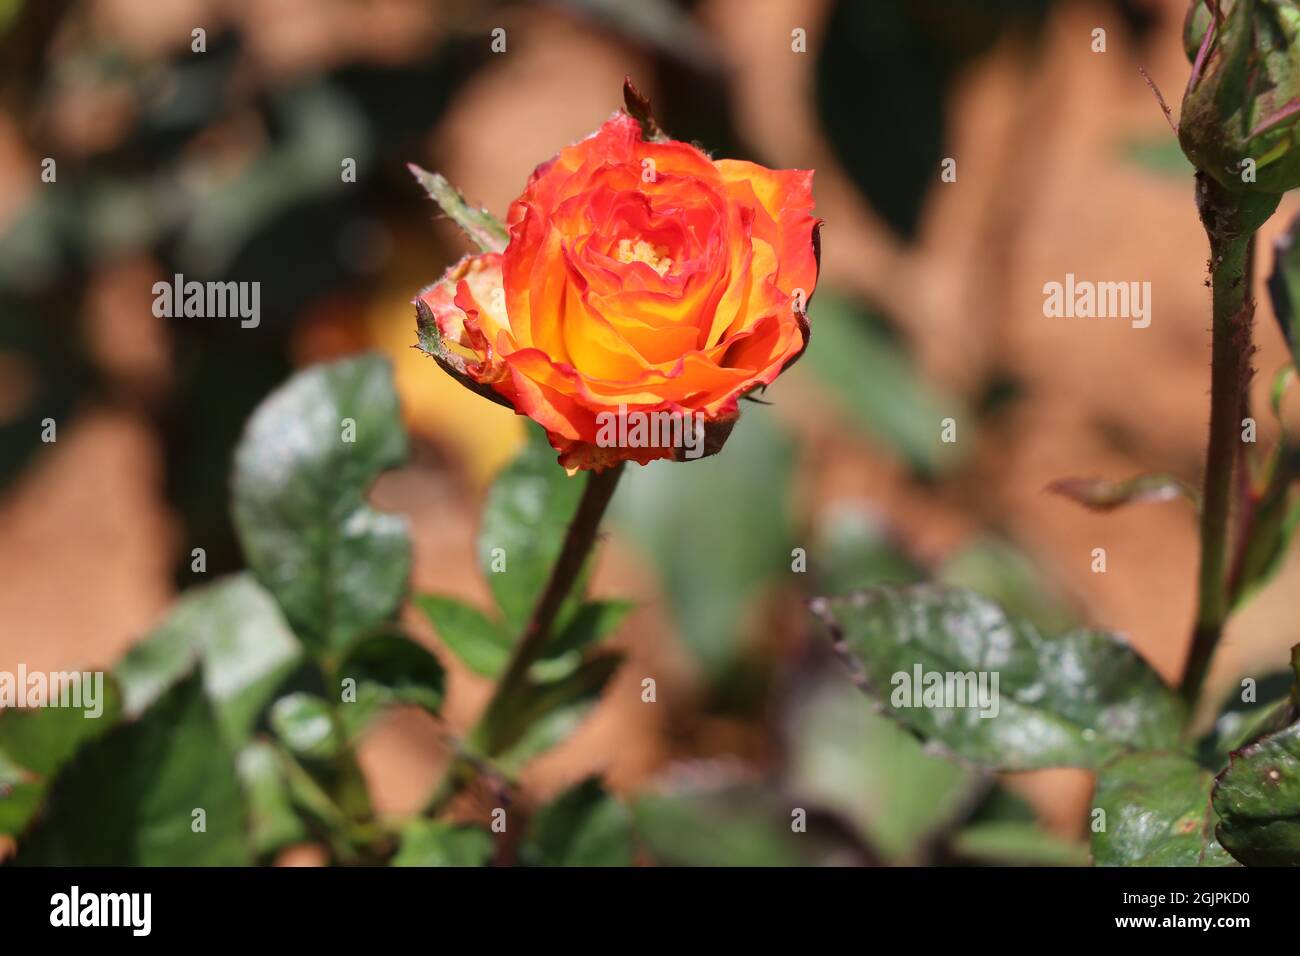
column 643, row 283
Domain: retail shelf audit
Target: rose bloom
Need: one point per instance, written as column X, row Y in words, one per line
column 640, row 278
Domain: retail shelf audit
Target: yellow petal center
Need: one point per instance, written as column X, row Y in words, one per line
column 656, row 257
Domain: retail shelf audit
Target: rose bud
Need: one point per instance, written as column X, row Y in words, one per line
column 642, row 283
column 1242, row 105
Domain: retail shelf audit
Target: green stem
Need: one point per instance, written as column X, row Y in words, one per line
column 1230, row 221
column 347, row 787
column 577, row 546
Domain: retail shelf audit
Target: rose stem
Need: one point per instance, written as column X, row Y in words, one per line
column 578, row 542
column 1230, row 222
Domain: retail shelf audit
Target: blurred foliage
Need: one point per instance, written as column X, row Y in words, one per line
column 132, row 796
column 1162, row 155
column 856, row 357
column 1284, row 285
column 891, row 144
column 689, row 518
column 846, row 758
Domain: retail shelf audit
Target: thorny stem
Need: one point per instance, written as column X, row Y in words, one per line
column 577, row 546
column 1230, row 222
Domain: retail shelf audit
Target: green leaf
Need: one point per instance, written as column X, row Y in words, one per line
column 273, row 822
column 583, row 826
column 390, row 669
column 430, row 340
column 1157, row 813
column 435, row 843
column 303, row 722
column 1284, row 286
column 1271, row 535
column 526, row 518
column 1014, row 843
column 543, row 734
column 845, row 758
column 129, row 798
column 876, row 383
column 1242, row 722
column 1071, row 701
column 1258, row 801
column 484, row 646
column 19, row 800
column 1001, row 572
column 545, row 713
column 1004, row 830
column 480, row 225
column 35, row 743
column 853, row 548
column 730, row 825
column 481, row 644
column 234, row 627
column 587, row 625
column 302, row 470
column 688, row 521
column 42, row 739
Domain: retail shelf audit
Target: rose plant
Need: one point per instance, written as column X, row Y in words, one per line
column 637, row 278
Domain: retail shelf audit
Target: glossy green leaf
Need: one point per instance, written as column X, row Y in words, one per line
column 302, row 470
column 583, row 826
column 389, row 669
column 436, row 843
column 1258, row 801
column 129, row 798
column 525, row 520
column 1076, row 700
column 236, row 630
column 845, row 758
column 304, row 723
column 1157, row 813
